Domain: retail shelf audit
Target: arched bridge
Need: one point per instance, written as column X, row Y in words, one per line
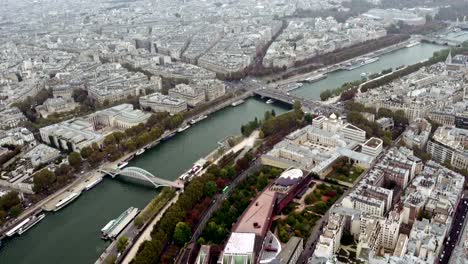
column 143, row 175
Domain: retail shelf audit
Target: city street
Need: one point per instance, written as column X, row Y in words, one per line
column 458, row 223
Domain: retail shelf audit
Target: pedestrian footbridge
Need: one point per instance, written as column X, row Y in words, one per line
column 143, row 175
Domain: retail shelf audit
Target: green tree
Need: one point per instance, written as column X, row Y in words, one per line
column 112, row 153
column 63, row 170
column 74, row 159
column 119, row 136
column 96, row 158
column 182, row 233
column 16, row 210
column 111, row 259
column 210, row 189
column 122, row 243
column 400, row 117
column 325, row 95
column 297, row 107
column 86, row 152
column 130, row 145
column 43, row 180
column 9, row 200
column 109, row 140
column 384, row 112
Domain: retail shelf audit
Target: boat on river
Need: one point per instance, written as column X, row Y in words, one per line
column 236, row 103
column 92, row 184
column 182, row 129
column 15, row 229
column 122, row 165
column 113, row 228
column 70, row 198
column 198, row 119
column 316, row 78
column 32, row 222
column 293, row 86
column 360, row 62
column 412, row 44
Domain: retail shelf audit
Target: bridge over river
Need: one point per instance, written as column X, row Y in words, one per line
column 143, row 175
column 308, row 105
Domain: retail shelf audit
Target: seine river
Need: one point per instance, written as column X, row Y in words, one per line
column 405, row 56
column 72, row 235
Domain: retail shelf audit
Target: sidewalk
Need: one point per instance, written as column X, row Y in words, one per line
column 146, row 234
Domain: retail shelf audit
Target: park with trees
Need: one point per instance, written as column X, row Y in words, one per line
column 299, row 220
column 220, row 223
column 170, row 234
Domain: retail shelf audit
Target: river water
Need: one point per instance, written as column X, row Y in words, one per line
column 405, row 56
column 72, row 235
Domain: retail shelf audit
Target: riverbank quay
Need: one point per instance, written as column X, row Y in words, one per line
column 136, row 236
column 339, row 66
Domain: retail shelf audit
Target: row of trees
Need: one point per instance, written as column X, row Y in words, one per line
column 175, row 225
column 154, row 206
column 327, row 94
column 348, row 90
column 220, row 223
column 283, row 122
column 46, row 181
column 248, row 128
column 118, row 143
column 272, row 124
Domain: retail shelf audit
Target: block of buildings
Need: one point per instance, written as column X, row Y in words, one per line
column 385, row 123
column 41, row 154
column 329, row 241
column 457, row 62
column 316, row 147
column 213, row 88
column 71, row 135
column 56, row 105
column 16, row 136
column 63, row 91
column 448, row 145
column 192, row 95
column 417, row 133
column 158, row 102
column 120, row 116
column 11, row 117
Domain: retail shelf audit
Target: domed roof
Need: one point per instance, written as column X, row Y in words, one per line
column 333, row 116
column 289, row 177
column 292, row 174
